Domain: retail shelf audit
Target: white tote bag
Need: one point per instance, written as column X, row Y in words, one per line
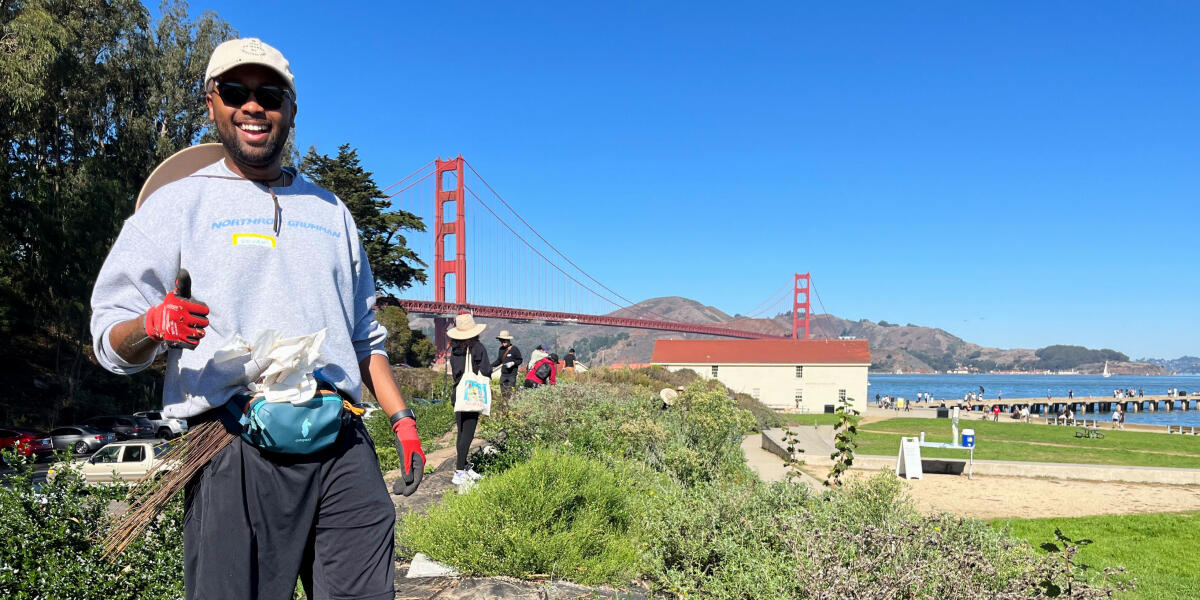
column 473, row 392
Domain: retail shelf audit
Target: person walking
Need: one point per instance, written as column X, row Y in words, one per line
column 508, row 359
column 464, row 342
column 542, row 372
column 1116, row 417
column 569, row 362
column 255, row 520
column 996, row 413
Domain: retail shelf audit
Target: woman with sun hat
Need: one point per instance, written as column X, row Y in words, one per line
column 464, row 339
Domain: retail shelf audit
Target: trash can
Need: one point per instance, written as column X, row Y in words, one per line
column 829, row 409
column 968, row 438
column 943, row 413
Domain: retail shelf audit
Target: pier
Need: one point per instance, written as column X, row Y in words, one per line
column 1081, row 406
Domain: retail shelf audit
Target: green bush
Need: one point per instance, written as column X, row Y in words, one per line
column 655, row 378
column 51, row 544
column 433, row 421
column 557, row 514
column 698, row 439
column 728, row 541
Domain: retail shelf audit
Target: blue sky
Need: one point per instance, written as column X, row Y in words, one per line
column 1019, row 174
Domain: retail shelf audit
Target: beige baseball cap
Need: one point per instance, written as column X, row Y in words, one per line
column 248, row 51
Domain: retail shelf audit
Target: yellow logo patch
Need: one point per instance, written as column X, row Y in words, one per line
column 253, row 239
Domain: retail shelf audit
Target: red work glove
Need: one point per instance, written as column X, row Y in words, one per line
column 179, row 320
column 408, row 446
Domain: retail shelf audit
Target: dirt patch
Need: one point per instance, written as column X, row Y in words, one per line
column 1021, row 497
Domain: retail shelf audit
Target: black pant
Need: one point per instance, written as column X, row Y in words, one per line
column 507, row 383
column 467, row 421
column 254, row 521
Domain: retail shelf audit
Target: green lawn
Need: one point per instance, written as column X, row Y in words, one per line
column 1037, row 443
column 1161, row 550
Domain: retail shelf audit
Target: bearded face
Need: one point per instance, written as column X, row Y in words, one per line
column 253, row 136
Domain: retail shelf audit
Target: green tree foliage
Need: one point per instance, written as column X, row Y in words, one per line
column 404, row 345
column 393, row 263
column 1068, row 357
column 92, row 97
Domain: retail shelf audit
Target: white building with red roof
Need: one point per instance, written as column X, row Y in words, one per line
column 785, row 374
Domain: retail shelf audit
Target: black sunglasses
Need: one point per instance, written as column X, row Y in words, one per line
column 234, row 94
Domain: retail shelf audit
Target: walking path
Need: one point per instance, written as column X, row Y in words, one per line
column 1032, row 494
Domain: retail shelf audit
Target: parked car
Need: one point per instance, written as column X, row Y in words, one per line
column 164, row 426
column 80, row 439
column 127, row 427
column 26, row 441
column 126, row 461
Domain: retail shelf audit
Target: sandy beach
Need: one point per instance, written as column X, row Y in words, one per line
column 1028, row 497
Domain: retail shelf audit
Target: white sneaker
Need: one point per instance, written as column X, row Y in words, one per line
column 460, row 477
column 473, row 476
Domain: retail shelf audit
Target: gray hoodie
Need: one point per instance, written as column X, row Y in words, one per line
column 220, row 227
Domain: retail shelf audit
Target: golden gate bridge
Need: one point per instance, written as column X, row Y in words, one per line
column 510, row 264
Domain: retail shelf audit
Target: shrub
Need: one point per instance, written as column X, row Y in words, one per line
column 779, row 541
column 51, row 547
column 433, row 421
column 696, row 440
column 556, row 514
column 655, row 377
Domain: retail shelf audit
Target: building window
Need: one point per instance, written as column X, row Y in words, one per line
column 799, row 372
column 799, row 396
column 754, row 392
column 841, row 395
column 714, row 370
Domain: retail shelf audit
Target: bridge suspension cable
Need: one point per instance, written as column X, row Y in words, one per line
column 538, row 252
column 628, row 303
column 407, row 177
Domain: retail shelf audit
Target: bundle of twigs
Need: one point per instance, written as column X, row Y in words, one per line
column 150, row 495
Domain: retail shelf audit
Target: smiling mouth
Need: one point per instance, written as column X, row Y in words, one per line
column 254, row 130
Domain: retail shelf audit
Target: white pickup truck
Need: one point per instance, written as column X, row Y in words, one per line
column 126, row 461
column 164, row 427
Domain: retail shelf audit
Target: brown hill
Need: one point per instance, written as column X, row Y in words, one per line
column 907, row 348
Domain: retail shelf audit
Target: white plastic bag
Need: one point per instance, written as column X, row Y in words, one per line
column 281, row 370
column 473, row 392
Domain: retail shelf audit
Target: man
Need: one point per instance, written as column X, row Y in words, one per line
column 569, row 362
column 509, row 361
column 267, row 250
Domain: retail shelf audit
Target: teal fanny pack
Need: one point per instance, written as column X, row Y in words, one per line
column 287, row 428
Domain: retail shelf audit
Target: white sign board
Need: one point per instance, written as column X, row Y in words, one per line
column 908, row 463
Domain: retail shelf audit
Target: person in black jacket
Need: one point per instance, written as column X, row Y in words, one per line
column 509, row 360
column 464, row 338
column 569, row 362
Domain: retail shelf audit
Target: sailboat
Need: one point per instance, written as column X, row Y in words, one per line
column 1106, row 373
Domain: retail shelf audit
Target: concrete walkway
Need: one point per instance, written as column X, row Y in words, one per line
column 768, row 466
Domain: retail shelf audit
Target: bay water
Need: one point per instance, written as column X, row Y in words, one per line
column 953, row 387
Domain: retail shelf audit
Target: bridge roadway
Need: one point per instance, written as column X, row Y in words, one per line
column 450, row 310
column 1084, row 405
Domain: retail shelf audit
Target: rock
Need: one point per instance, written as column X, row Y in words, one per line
column 423, row 566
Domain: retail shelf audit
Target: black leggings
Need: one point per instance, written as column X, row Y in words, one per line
column 467, row 421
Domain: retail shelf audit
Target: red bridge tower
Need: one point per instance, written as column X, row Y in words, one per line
column 802, row 284
column 457, row 228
